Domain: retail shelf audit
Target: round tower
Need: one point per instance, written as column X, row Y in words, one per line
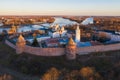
column 20, row 44
column 77, row 34
column 71, row 50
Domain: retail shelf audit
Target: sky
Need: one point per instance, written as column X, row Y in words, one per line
column 60, row 7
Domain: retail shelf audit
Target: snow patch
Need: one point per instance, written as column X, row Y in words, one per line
column 88, row 21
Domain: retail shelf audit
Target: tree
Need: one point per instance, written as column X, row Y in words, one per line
column 73, row 75
column 103, row 37
column 6, row 77
column 86, row 72
column 52, row 74
column 35, row 43
column 89, row 73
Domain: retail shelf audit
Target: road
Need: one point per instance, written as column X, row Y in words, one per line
column 20, row 76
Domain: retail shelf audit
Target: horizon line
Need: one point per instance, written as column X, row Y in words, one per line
column 55, row 15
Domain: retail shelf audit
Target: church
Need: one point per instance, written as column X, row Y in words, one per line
column 57, row 31
column 13, row 29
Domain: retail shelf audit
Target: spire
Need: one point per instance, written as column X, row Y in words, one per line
column 71, row 42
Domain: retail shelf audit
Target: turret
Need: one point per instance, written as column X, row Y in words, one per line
column 20, row 44
column 71, row 50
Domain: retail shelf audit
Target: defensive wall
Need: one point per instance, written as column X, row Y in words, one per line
column 61, row 51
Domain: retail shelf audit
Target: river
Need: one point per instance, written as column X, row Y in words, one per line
column 58, row 20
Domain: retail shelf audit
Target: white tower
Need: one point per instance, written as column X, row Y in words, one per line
column 77, row 36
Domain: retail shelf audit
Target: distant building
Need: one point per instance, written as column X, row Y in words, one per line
column 1, row 24
column 13, row 29
column 56, row 42
column 57, row 32
column 52, row 42
column 39, row 38
column 114, row 37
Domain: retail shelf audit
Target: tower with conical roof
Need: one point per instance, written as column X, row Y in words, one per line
column 77, row 34
column 71, row 49
column 20, row 44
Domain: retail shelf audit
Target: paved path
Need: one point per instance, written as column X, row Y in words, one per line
column 16, row 74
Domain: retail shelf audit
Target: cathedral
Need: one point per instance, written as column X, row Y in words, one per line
column 57, row 31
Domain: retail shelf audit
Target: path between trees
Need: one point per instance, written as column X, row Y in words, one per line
column 20, row 76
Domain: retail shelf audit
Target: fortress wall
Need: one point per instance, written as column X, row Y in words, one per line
column 111, row 47
column 10, row 44
column 44, row 51
column 61, row 51
column 99, row 48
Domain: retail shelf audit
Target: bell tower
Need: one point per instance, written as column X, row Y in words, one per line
column 77, row 34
